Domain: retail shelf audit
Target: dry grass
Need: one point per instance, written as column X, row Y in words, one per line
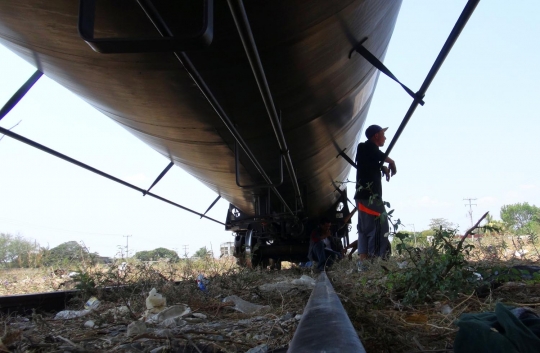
column 379, row 316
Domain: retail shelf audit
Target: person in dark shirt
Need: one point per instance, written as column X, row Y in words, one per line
column 317, row 245
column 372, row 223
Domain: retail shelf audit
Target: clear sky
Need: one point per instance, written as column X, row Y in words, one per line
column 476, row 137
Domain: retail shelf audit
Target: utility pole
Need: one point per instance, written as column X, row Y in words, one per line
column 470, row 211
column 414, row 233
column 186, row 247
column 127, row 244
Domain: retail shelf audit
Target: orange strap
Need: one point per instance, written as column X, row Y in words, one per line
column 364, row 209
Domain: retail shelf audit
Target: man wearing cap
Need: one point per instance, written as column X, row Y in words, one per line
column 372, row 223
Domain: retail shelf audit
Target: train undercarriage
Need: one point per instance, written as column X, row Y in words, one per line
column 268, row 238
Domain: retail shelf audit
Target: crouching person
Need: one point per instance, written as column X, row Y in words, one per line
column 317, row 245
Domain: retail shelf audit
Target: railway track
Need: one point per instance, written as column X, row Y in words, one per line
column 324, row 327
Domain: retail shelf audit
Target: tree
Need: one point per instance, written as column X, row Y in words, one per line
column 437, row 223
column 67, row 252
column 520, row 216
column 156, row 254
column 202, row 253
column 16, row 250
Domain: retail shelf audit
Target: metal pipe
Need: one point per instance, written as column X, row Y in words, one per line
column 164, row 30
column 452, row 38
column 237, row 172
column 21, row 92
column 325, row 309
column 244, row 30
column 97, row 171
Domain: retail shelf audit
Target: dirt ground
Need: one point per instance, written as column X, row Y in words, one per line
column 381, row 320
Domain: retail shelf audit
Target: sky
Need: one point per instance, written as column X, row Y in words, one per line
column 475, row 137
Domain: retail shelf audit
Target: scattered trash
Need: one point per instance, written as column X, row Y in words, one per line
column 136, row 328
column 244, row 306
column 170, row 316
column 304, row 280
column 89, row 324
column 92, row 303
column 71, row 314
column 118, row 312
column 155, row 302
column 202, row 282
column 446, row 309
column 199, row 315
column 284, row 286
column 286, row 317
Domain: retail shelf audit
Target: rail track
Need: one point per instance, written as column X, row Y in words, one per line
column 324, row 327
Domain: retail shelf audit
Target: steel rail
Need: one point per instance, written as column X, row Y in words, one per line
column 97, row 171
column 325, row 310
column 450, row 41
column 164, row 31
column 244, row 30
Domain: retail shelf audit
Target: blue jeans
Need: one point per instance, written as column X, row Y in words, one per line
column 373, row 231
column 321, row 256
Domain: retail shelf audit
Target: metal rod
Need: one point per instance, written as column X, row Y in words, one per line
column 237, row 172
column 163, row 30
column 97, row 171
column 21, row 92
column 456, row 31
column 244, row 30
column 324, row 308
column 212, row 205
column 347, row 158
column 159, row 177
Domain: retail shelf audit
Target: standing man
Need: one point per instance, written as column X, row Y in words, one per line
column 372, row 221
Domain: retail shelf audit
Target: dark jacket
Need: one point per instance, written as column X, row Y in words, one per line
column 368, row 174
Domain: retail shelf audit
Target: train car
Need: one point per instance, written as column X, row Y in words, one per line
column 255, row 99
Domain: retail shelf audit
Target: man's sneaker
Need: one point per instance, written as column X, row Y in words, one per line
column 361, row 266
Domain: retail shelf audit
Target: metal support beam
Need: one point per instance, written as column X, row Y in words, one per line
column 212, row 205
column 452, row 38
column 373, row 60
column 94, row 170
column 324, row 308
column 159, row 177
column 347, row 158
column 164, row 31
column 21, row 92
column 244, row 30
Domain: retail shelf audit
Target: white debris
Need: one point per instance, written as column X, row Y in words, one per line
column 304, row 281
column 446, row 309
column 168, row 315
column 245, row 306
column 284, row 286
column 155, row 302
column 89, row 324
column 71, row 314
column 136, row 328
column 199, row 315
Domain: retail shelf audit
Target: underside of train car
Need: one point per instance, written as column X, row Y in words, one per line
column 255, row 99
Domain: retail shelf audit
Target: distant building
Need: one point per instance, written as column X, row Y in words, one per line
column 226, row 249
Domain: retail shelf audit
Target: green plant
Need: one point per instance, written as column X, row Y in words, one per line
column 441, row 268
